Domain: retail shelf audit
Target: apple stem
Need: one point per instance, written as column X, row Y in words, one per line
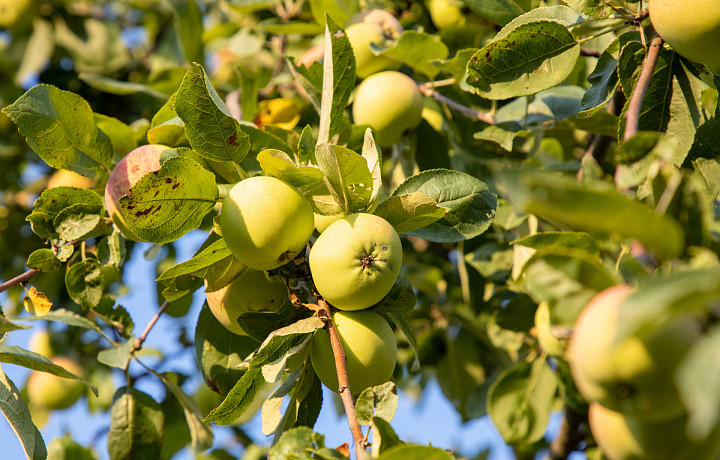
column 344, row 386
column 632, row 116
column 20, row 279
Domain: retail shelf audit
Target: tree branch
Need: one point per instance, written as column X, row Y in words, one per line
column 139, row 341
column 326, row 315
column 20, row 279
column 428, row 91
column 569, row 436
column 632, row 116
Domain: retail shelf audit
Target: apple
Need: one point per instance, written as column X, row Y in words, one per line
column 391, row 103
column 622, row 437
column 251, row 290
column 265, row 222
column 370, row 350
column 322, row 222
column 446, row 13
column 373, row 27
column 355, row 261
column 67, row 178
column 554, row 346
column 124, row 175
column 634, row 376
column 691, row 27
column 40, row 343
column 15, row 14
column 53, row 392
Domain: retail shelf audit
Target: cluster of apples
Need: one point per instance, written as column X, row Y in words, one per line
column 354, row 263
column 635, row 411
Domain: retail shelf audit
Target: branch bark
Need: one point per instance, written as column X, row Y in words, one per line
column 326, row 315
column 632, row 116
column 140, row 340
column 428, row 91
column 568, row 438
column 20, row 279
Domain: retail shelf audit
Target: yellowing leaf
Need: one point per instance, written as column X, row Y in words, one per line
column 36, row 303
column 284, row 113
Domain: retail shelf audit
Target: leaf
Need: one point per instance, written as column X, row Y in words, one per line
column 383, row 436
column 524, row 61
column 117, row 356
column 211, row 130
column 374, row 160
column 593, row 207
column 469, row 203
column 410, row 212
column 111, row 249
column 400, row 320
column 165, row 204
column 59, row 126
column 77, row 222
column 604, row 80
column 43, row 260
column 214, row 263
column 347, row 176
column 36, row 303
column 279, row 164
column 415, row 452
column 119, row 87
column 31, row 360
column 338, row 10
column 288, row 362
column 18, row 416
column 84, row 283
column 7, row 326
column 416, row 49
column 559, row 241
column 66, row 317
column 136, row 426
column 377, row 402
column 498, row 11
column 400, row 298
column 115, row 316
column 594, row 8
column 53, row 202
column 238, row 399
column 189, row 19
column 66, row 449
column 520, row 401
column 302, row 443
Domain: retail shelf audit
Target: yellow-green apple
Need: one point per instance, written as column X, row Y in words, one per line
column 67, row 178
column 622, row 437
column 370, row 350
column 125, row 174
column 633, row 375
column 554, row 346
column 265, row 222
column 355, row 261
column 53, row 392
column 374, row 27
column 691, row 27
column 446, row 13
column 251, row 290
column 391, row 103
column 40, row 343
column 322, row 222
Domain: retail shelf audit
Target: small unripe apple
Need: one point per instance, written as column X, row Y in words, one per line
column 691, row 27
column 67, row 178
column 635, row 375
column 126, row 173
column 446, row 13
column 370, row 350
column 355, row 261
column 265, row 222
column 373, row 27
column 391, row 103
column 40, row 343
column 251, row 290
column 622, row 437
column 53, row 392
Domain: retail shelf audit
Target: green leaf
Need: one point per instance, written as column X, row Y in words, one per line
column 595, row 8
column 77, row 222
column 400, row 298
column 16, row 411
column 460, row 370
column 338, row 80
column 54, row 201
column 498, row 11
column 31, row 360
column 43, row 260
column 115, row 316
column 189, row 19
column 279, row 164
column 415, row 452
column 211, row 130
column 374, row 159
column 66, row 449
column 418, row 50
column 119, row 87
column 259, row 324
column 136, row 426
column 469, row 203
column 410, row 212
column 520, row 401
column 66, row 317
column 347, row 176
column 165, row 204
column 339, row 10
column 59, row 126
column 383, row 436
column 117, row 356
column 238, row 399
column 288, row 362
column 401, row 321
column 559, row 241
column 302, row 443
column 604, row 80
column 377, row 402
column 593, row 207
column 84, row 283
column 7, row 326
column 123, row 137
column 111, row 249
column 524, row 61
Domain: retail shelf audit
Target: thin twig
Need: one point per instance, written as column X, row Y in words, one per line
column 139, row 341
column 344, row 386
column 568, row 438
column 632, row 116
column 590, row 53
column 428, row 91
column 20, row 279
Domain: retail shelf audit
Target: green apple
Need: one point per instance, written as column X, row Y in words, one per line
column 322, row 222
column 374, row 27
column 554, row 346
column 40, row 343
column 355, row 261
column 67, row 178
column 622, row 437
column 635, row 375
column 53, row 392
column 125, row 174
column 251, row 290
column 370, row 350
column 691, row 27
column 391, row 103
column 446, row 13
column 265, row 222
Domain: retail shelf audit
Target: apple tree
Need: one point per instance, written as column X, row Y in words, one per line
column 514, row 198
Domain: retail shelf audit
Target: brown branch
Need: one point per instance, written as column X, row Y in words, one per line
column 632, row 116
column 344, row 386
column 590, row 53
column 428, row 91
column 20, row 279
column 139, row 341
column 569, row 436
